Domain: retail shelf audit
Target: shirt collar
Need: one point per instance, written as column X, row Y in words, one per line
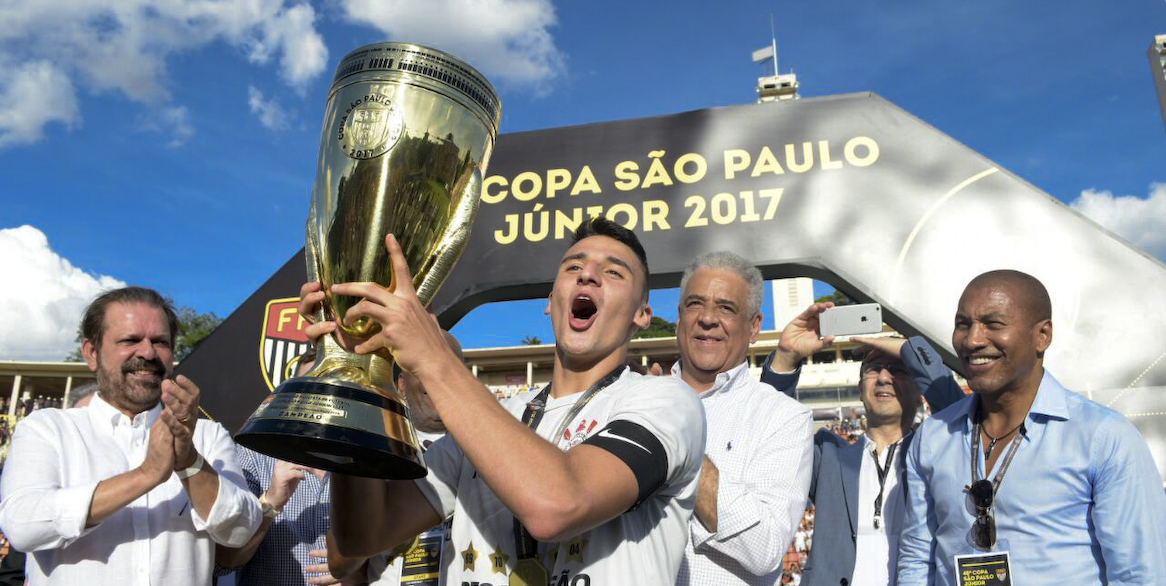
column 1050, row 398
column 1050, row 401
column 869, row 445
column 102, row 413
column 724, row 382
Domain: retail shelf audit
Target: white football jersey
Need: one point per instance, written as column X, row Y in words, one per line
column 655, row 424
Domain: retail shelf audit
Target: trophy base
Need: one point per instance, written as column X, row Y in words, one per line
column 336, row 426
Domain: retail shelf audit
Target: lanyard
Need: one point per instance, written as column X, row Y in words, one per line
column 1003, row 467
column 883, row 472
column 525, row 545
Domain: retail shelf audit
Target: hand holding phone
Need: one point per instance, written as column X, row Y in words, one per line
column 848, row 320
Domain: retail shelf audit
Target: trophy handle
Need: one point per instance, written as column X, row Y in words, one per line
column 445, row 255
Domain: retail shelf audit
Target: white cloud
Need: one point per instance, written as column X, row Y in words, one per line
column 303, row 51
column 1138, row 220
column 509, row 41
column 123, row 47
column 171, row 121
column 271, row 114
column 32, row 95
column 42, row 306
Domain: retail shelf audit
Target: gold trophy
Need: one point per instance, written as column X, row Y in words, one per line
column 408, row 131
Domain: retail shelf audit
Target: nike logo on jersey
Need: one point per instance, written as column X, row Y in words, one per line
column 605, row 432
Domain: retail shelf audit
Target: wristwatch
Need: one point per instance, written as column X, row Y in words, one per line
column 194, row 468
column 269, row 511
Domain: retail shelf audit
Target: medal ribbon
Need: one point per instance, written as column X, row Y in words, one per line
column 1013, row 445
column 525, row 545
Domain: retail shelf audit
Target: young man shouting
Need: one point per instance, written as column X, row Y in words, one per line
column 591, row 480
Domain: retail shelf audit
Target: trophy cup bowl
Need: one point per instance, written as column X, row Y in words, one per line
column 408, row 131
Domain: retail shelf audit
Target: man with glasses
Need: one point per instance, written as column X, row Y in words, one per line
column 857, row 489
column 1025, row 482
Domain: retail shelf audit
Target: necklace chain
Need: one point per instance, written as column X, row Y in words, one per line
column 992, row 443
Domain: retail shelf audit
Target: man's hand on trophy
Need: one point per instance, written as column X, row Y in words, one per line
column 408, row 330
column 311, row 297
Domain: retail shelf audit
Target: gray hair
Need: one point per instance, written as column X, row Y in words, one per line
column 728, row 261
column 80, row 392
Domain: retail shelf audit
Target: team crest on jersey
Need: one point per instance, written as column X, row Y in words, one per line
column 283, row 340
column 585, row 427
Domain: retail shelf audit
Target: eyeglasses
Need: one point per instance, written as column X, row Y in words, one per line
column 984, row 529
column 874, row 368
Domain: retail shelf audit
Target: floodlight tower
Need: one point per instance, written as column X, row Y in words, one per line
column 790, row 296
column 771, row 88
column 1157, row 55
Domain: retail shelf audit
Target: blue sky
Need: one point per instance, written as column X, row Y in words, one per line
column 174, row 146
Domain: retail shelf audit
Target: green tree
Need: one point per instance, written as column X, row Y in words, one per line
column 659, row 328
column 838, row 297
column 193, row 328
column 531, row 340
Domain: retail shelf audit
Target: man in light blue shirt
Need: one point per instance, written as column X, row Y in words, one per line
column 1066, row 486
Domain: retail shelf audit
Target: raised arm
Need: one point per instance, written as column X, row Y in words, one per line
column 800, row 339
column 934, row 379
column 555, row 494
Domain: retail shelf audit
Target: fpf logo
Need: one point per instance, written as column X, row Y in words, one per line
column 283, row 340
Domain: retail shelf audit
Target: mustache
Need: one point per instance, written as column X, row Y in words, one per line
column 153, row 364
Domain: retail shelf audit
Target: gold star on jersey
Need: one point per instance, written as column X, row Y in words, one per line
column 498, row 561
column 469, row 556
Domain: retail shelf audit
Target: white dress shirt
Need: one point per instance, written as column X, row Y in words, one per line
column 760, row 440
column 877, row 549
column 59, row 456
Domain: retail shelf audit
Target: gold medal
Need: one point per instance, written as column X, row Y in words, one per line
column 529, row 572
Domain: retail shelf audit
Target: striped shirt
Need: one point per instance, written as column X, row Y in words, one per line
column 300, row 528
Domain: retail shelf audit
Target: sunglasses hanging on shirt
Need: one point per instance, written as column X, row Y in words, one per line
column 983, row 492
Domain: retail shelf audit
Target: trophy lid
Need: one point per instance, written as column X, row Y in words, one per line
column 425, row 64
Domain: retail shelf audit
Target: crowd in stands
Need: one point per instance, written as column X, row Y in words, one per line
column 23, row 409
column 30, row 404
column 508, row 391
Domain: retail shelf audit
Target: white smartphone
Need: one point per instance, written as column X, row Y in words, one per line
column 849, row 320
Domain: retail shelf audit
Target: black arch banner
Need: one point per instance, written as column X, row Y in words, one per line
column 848, row 189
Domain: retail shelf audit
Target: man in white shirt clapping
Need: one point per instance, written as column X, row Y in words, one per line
column 134, row 488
